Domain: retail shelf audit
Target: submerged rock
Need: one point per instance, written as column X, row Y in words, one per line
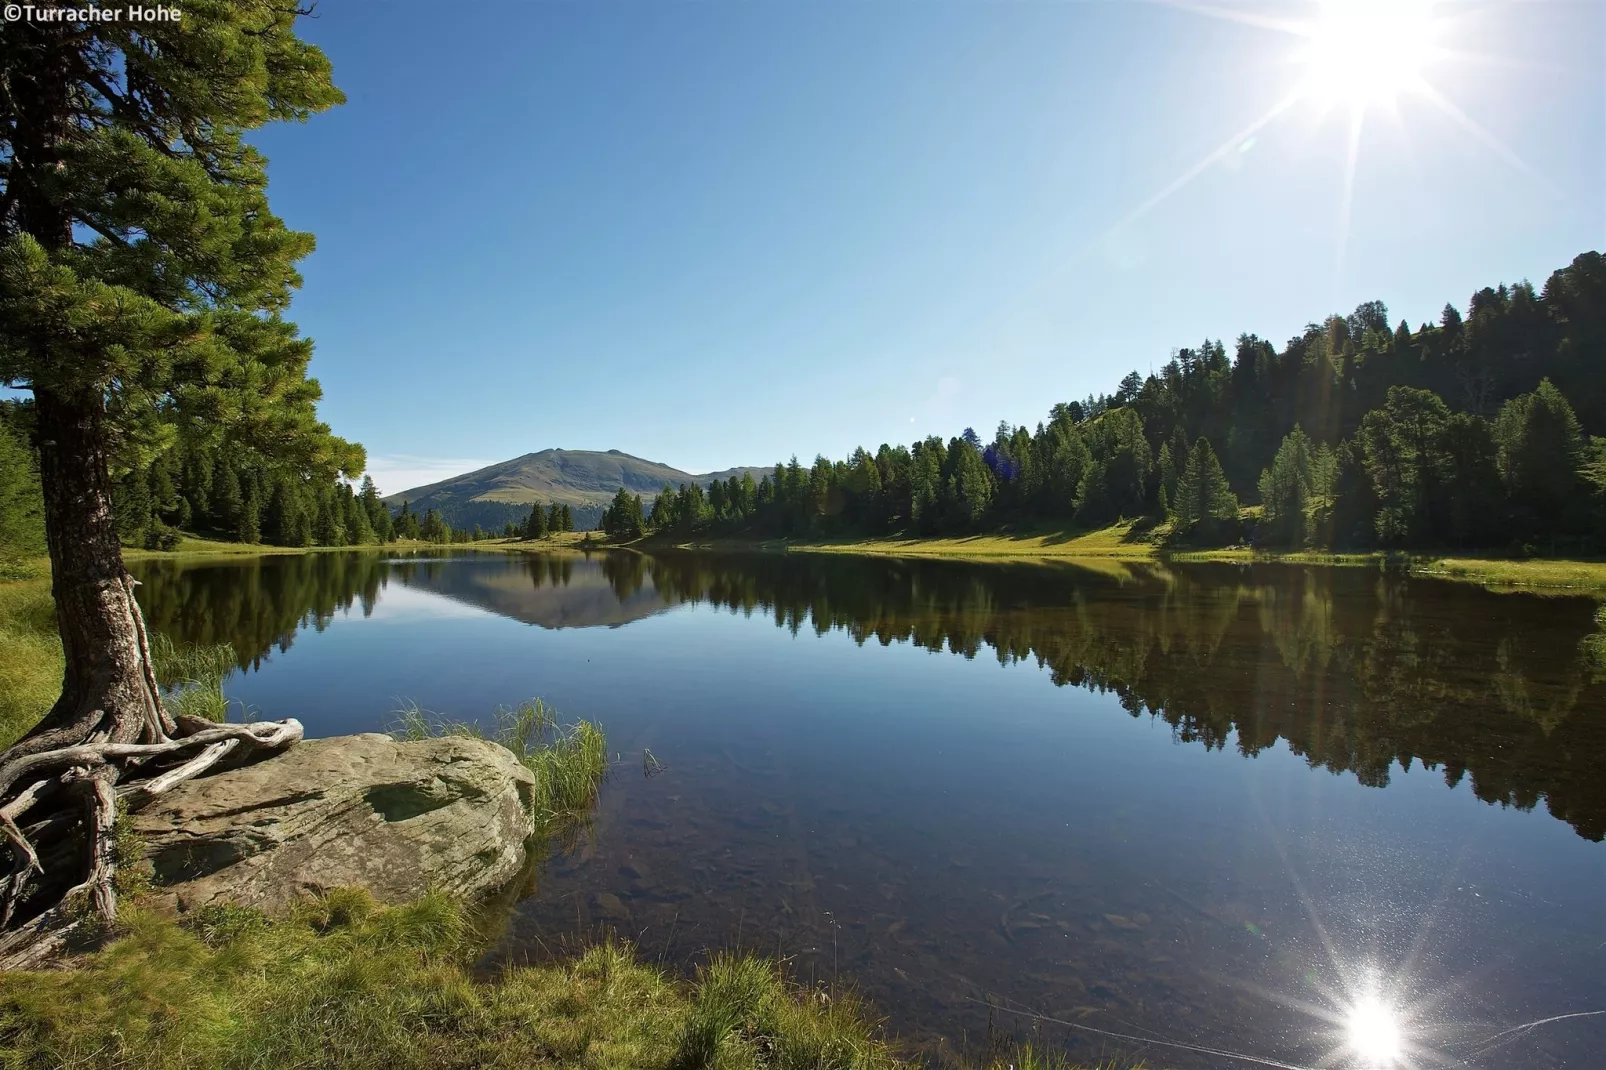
column 610, row 906
column 397, row 819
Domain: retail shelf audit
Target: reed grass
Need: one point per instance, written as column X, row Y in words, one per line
column 569, row 761
column 191, row 676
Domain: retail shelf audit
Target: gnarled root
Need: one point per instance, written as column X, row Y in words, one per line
column 46, row 795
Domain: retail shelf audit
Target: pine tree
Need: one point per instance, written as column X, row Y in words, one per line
column 226, row 499
column 131, row 496
column 433, row 528
column 1540, row 452
column 329, row 527
column 249, row 529
column 278, row 520
column 1166, row 473
column 535, row 527
column 143, row 281
column 1285, row 491
column 1205, row 501
column 358, row 530
column 379, row 521
column 662, row 516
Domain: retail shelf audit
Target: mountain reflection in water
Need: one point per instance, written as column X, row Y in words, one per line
column 1354, row 669
column 952, row 834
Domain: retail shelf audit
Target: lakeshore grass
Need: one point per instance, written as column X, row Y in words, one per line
column 194, row 546
column 1123, row 541
column 1108, row 549
column 191, row 676
column 30, row 652
column 342, row 982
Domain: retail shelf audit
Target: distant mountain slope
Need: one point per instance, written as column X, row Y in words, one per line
column 585, row 480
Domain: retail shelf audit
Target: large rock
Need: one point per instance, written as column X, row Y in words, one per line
column 398, row 819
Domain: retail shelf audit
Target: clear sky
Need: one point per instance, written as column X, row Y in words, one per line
column 721, row 233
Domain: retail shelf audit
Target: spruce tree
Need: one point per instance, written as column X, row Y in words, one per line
column 379, row 522
column 225, row 516
column 1285, row 490
column 433, row 528
column 1541, row 448
column 536, row 526
column 249, row 527
column 1205, row 501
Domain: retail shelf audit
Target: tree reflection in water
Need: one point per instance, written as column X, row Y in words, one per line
column 1354, row 668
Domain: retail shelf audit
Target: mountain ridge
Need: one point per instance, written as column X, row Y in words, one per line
column 584, row 480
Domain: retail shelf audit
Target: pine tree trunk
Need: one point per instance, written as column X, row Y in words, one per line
column 107, row 737
column 108, row 691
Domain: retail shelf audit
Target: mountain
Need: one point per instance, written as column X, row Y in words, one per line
column 584, row 480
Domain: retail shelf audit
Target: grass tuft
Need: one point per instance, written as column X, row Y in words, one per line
column 191, row 676
column 745, row 1015
column 569, row 761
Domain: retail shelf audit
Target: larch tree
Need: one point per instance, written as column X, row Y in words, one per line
column 143, row 285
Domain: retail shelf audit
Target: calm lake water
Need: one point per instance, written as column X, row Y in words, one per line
column 1172, row 808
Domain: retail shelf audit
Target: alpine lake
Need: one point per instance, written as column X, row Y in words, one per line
column 1196, row 815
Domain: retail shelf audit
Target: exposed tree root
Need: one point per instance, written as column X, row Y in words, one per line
column 71, row 792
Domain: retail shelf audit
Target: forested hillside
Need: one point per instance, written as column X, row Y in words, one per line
column 1486, row 429
column 1474, row 431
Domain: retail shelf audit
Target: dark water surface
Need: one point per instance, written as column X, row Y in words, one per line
column 1207, row 805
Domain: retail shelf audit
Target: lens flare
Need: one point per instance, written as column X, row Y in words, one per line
column 1373, row 1032
column 1368, row 51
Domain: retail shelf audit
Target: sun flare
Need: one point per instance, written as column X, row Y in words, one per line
column 1373, row 1032
column 1368, row 51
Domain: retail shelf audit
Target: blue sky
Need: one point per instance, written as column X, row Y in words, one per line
column 722, row 233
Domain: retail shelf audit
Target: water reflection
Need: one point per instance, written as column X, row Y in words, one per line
column 1059, row 829
column 1355, row 670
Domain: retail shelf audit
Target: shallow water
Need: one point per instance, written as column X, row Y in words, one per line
column 1207, row 806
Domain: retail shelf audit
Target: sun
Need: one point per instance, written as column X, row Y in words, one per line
column 1373, row 1032
column 1364, row 52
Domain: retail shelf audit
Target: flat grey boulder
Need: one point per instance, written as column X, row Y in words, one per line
column 398, row 819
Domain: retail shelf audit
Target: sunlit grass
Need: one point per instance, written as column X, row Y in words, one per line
column 30, row 656
column 1518, row 572
column 743, row 1014
column 1127, row 540
column 343, row 982
column 31, row 664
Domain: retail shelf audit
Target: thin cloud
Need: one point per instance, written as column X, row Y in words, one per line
column 398, row 472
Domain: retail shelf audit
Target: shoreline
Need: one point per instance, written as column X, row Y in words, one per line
column 1124, row 543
